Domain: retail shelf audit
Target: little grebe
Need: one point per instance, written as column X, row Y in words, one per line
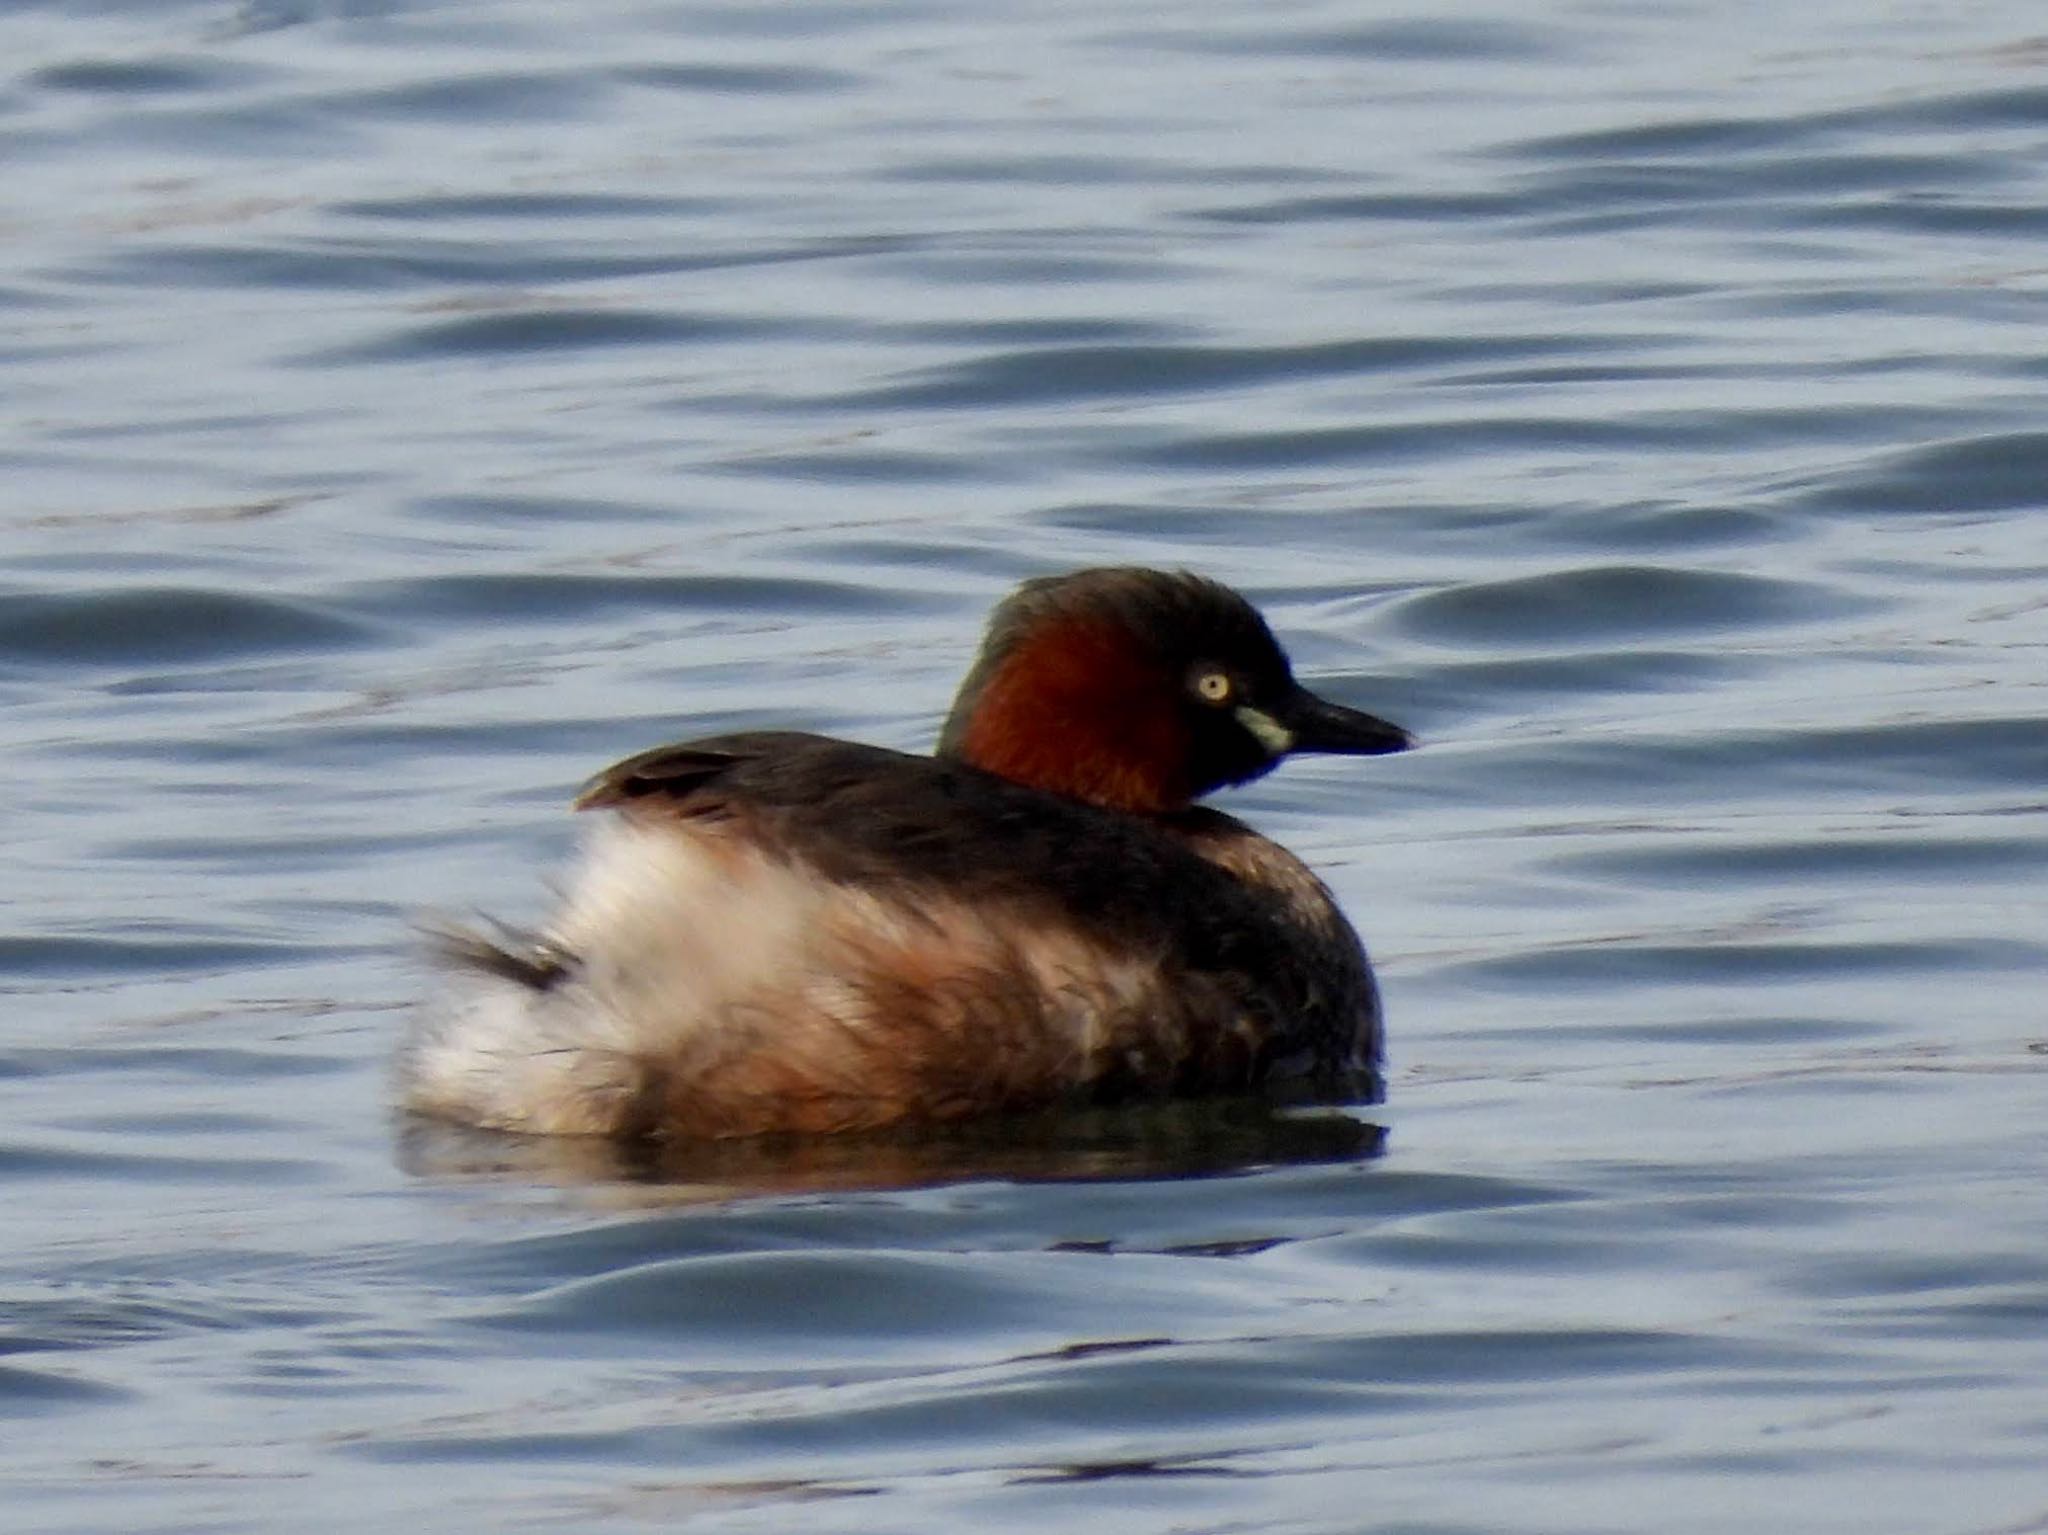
column 785, row 932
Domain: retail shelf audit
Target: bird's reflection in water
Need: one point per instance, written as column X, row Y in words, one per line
column 1169, row 1140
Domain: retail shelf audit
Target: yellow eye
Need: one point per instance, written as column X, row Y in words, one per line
column 1213, row 687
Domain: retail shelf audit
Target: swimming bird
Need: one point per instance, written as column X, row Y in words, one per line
column 782, row 932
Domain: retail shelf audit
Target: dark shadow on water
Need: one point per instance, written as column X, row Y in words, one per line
column 1206, row 1138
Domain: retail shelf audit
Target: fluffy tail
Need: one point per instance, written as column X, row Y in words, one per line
column 516, row 1041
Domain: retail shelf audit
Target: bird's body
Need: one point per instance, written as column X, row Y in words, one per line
column 780, row 932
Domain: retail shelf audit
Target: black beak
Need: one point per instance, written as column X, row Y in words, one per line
column 1318, row 725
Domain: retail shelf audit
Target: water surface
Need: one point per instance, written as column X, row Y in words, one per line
column 414, row 407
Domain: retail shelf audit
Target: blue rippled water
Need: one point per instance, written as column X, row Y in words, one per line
column 414, row 406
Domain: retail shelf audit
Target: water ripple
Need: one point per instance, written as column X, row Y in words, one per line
column 1600, row 604
column 1127, row 370
column 166, row 625
column 1996, row 472
column 545, row 329
column 368, row 265
column 32, row 1393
